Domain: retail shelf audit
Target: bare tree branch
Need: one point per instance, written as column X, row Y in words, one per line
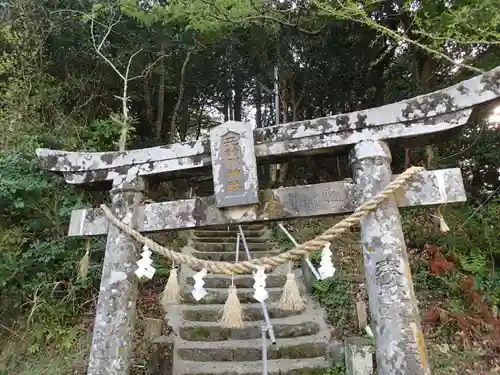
column 124, row 122
column 181, row 93
column 98, row 48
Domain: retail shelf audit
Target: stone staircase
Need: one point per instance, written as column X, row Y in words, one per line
column 201, row 346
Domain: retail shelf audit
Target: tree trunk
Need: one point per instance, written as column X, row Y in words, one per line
column 230, row 100
column 238, row 93
column 226, row 108
column 161, row 97
column 173, row 122
column 147, row 98
column 285, row 100
column 185, row 119
column 258, row 105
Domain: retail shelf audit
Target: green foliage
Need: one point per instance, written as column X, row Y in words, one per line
column 461, row 21
column 56, row 362
column 208, row 18
column 336, row 296
column 337, row 370
column 102, row 134
column 472, row 244
column 38, row 263
column 475, row 242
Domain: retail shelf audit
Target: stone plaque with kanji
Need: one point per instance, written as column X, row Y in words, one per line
column 234, row 164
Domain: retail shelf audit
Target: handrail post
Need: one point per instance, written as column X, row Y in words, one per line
column 262, row 304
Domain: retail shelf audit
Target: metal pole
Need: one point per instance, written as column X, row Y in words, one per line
column 399, row 341
column 264, row 349
column 237, row 252
column 263, row 305
column 241, row 235
column 308, row 261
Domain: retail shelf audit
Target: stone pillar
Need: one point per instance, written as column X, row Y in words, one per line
column 395, row 320
column 115, row 316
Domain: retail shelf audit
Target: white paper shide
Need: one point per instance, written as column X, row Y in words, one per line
column 259, row 285
column 326, row 268
column 199, row 291
column 144, row 265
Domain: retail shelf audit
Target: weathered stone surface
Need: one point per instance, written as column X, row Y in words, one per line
column 230, row 239
column 230, row 256
column 358, row 356
column 220, row 296
column 362, row 315
column 234, row 167
column 231, row 234
column 115, row 316
column 329, row 198
column 303, row 138
column 234, row 228
column 252, row 312
column 303, row 366
column 295, row 328
column 412, row 118
column 251, row 350
column 222, row 246
column 394, row 313
column 274, row 280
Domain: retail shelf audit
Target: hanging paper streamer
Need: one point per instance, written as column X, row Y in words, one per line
column 442, row 192
column 199, row 291
column 326, row 268
column 144, row 265
column 368, row 330
column 85, row 262
column 259, row 285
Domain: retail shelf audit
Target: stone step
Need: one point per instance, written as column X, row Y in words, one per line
column 294, row 326
column 251, row 312
column 231, row 256
column 231, row 233
column 240, row 281
column 231, row 246
column 234, row 227
column 230, row 240
column 251, row 350
column 303, row 366
column 219, row 296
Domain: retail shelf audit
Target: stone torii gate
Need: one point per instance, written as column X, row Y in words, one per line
column 233, row 152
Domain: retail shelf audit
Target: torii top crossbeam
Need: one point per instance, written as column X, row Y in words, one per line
column 412, row 121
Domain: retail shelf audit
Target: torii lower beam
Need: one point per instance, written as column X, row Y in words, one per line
column 331, row 198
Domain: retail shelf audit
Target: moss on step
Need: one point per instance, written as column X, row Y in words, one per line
column 217, row 333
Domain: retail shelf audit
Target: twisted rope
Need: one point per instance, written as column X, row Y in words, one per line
column 298, row 252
